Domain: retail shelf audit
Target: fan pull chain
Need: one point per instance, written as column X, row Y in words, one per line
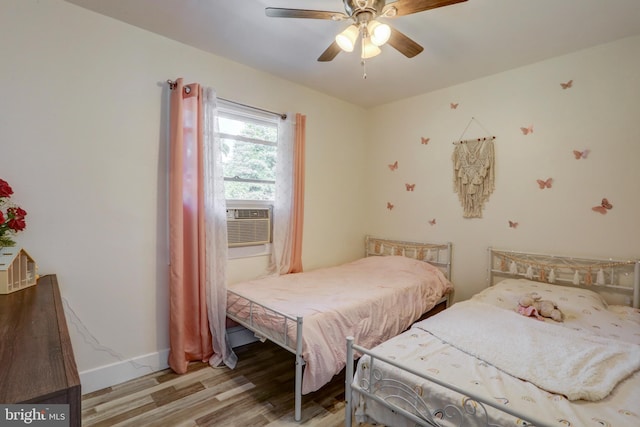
column 364, row 61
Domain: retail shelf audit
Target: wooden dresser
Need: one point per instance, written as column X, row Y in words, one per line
column 36, row 359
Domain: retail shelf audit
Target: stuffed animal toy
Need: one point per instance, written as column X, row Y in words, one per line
column 533, row 305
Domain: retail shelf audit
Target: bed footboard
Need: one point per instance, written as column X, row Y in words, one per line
column 400, row 399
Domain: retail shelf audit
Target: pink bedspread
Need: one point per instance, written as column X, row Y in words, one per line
column 371, row 299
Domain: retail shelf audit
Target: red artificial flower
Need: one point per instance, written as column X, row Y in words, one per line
column 17, row 224
column 16, row 212
column 5, row 189
column 1, row 218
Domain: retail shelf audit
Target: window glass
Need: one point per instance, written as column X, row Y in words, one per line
column 249, row 152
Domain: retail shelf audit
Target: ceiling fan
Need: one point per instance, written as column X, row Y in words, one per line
column 364, row 15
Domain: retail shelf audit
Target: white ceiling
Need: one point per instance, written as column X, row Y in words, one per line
column 461, row 42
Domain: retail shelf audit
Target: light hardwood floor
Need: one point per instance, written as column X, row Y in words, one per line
column 259, row 392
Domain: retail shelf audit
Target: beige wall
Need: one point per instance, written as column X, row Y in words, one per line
column 600, row 112
column 83, row 142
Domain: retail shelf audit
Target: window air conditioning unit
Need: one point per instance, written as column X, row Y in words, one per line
column 248, row 227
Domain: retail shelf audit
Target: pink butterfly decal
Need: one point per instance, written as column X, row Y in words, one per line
column 567, row 85
column 389, row 205
column 580, row 154
column 603, row 208
column 432, row 221
column 394, row 165
column 410, row 187
column 453, row 105
column 527, row 131
column 513, row 224
column 544, row 184
column 424, row 140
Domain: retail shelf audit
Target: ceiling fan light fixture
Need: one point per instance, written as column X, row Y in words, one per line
column 378, row 32
column 369, row 50
column 347, row 39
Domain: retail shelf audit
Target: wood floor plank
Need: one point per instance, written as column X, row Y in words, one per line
column 125, row 389
column 175, row 412
column 122, row 415
column 124, row 407
column 121, row 399
column 168, row 395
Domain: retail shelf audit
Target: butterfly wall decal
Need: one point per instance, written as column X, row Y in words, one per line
column 513, row 224
column 410, row 187
column 389, row 205
column 580, row 154
column 432, row 221
column 424, row 140
column 527, row 131
column 566, row 85
column 544, row 184
column 603, row 207
column 393, row 166
column 453, row 105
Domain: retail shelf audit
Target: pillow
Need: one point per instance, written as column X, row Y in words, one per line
column 507, row 292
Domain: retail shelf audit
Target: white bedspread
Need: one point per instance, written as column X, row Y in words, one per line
column 371, row 299
column 576, row 364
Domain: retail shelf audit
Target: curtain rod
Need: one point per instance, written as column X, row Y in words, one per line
column 283, row 116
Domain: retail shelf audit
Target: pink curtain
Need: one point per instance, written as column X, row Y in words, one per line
column 298, row 194
column 189, row 334
column 288, row 216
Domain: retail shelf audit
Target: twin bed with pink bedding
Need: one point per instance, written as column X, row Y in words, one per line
column 373, row 299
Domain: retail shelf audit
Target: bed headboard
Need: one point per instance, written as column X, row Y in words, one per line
column 438, row 254
column 617, row 280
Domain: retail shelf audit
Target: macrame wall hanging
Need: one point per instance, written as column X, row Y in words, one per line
column 473, row 171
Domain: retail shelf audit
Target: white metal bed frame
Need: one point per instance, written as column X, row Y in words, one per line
column 623, row 277
column 437, row 254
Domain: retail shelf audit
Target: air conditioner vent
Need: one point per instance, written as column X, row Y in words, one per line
column 251, row 213
column 248, row 227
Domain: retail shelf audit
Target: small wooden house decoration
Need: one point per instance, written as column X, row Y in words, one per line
column 17, row 270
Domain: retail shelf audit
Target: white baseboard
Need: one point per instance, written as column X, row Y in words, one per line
column 119, row 372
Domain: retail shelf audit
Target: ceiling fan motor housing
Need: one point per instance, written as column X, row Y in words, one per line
column 354, row 7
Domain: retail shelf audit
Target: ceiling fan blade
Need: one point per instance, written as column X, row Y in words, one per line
column 332, row 51
column 404, row 44
column 277, row 12
column 407, row 7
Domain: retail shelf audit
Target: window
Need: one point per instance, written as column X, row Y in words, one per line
column 249, row 145
column 249, row 151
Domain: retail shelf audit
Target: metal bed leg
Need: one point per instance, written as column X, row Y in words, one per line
column 298, row 396
column 348, row 377
column 299, row 365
